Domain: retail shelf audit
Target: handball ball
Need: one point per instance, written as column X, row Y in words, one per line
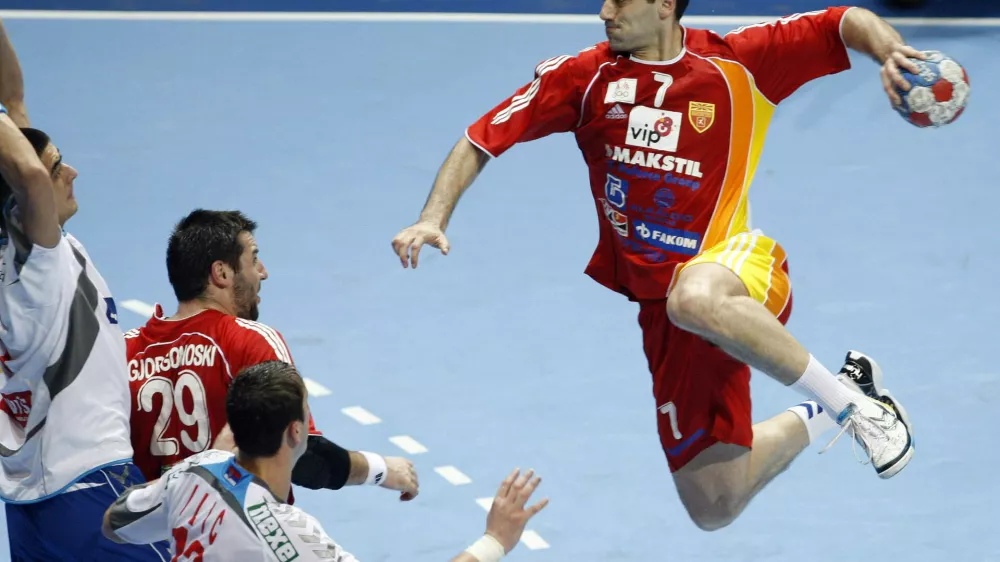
column 937, row 95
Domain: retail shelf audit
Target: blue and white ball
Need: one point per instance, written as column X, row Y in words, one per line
column 938, row 94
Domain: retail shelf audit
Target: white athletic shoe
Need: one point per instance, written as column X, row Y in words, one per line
column 878, row 422
column 863, row 373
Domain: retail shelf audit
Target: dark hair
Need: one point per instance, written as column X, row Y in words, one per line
column 262, row 401
column 39, row 141
column 679, row 8
column 198, row 241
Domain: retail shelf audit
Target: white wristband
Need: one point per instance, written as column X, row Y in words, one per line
column 376, row 469
column 487, row 549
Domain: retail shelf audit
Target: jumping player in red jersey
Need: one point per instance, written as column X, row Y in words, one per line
column 671, row 122
column 180, row 367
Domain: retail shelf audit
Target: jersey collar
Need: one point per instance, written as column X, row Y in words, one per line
column 674, row 60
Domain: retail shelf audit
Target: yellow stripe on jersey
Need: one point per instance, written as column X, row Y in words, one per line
column 751, row 116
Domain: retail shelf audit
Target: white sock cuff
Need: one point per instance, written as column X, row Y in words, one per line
column 815, row 418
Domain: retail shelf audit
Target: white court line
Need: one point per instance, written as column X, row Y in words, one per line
column 453, row 475
column 431, row 17
column 485, row 503
column 139, row 307
column 361, row 415
column 533, row 541
column 316, row 389
column 408, row 444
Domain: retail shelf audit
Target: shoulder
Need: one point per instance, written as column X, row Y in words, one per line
column 707, row 43
column 259, row 334
column 583, row 64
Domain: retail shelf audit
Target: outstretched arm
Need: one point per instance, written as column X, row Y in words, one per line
column 548, row 104
column 507, row 518
column 459, row 170
column 30, row 183
column 11, row 81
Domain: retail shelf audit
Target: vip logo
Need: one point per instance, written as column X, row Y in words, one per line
column 654, row 128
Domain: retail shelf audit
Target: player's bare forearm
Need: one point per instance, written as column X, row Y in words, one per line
column 359, row 470
column 11, row 81
column 455, row 176
column 31, row 184
column 865, row 32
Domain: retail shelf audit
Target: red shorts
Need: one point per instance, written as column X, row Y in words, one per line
column 702, row 394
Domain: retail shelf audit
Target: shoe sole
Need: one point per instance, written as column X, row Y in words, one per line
column 898, row 465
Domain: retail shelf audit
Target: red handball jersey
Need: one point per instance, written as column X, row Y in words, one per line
column 179, row 373
column 672, row 146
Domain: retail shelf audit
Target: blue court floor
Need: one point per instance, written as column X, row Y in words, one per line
column 503, row 353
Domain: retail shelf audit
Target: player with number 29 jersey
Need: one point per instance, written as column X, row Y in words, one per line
column 179, row 372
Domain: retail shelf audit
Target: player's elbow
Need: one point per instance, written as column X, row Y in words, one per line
column 715, row 515
column 467, row 150
column 108, row 530
column 29, row 176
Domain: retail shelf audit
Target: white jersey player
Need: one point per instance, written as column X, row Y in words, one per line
column 64, row 433
column 216, row 505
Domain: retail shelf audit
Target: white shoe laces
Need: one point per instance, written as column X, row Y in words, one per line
column 855, row 417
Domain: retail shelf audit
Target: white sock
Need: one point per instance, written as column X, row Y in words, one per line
column 821, row 385
column 815, row 417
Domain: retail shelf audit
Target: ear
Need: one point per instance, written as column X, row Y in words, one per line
column 221, row 275
column 296, row 434
column 666, row 8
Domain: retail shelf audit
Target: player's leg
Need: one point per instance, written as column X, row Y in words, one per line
column 733, row 295
column 719, row 459
column 718, row 484
column 27, row 543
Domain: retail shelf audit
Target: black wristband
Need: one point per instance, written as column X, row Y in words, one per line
column 324, row 465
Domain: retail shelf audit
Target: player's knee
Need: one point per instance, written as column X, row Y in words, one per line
column 715, row 515
column 692, row 304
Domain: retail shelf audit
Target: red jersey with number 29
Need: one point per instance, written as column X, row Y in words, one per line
column 672, row 146
column 179, row 373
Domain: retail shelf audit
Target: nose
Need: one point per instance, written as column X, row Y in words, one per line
column 608, row 10
column 71, row 172
column 262, row 270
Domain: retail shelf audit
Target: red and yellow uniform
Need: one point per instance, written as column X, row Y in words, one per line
column 672, row 148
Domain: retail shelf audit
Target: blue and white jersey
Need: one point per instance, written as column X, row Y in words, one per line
column 209, row 505
column 65, row 396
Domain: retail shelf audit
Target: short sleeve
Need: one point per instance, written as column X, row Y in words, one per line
column 139, row 516
column 258, row 343
column 785, row 54
column 549, row 104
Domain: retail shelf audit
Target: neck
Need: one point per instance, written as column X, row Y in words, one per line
column 275, row 471
column 668, row 45
column 189, row 308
